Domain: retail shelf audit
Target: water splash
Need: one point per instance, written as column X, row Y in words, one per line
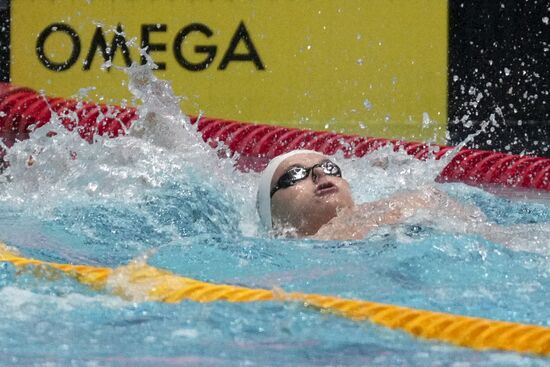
column 162, row 148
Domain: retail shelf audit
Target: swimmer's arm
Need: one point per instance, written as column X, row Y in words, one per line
column 344, row 233
column 435, row 200
column 357, row 223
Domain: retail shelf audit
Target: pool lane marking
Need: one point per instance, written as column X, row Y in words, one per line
column 138, row 281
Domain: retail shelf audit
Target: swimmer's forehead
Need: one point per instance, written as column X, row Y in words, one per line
column 302, row 159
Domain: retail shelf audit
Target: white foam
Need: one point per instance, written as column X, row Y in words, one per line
column 161, row 147
column 22, row 304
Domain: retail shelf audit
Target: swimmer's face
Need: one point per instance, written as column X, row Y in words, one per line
column 309, row 203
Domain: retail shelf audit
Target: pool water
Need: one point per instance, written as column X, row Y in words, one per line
column 162, row 195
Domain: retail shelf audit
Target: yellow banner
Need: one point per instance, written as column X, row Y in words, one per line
column 374, row 67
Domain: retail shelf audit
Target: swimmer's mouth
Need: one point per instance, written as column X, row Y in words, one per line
column 325, row 188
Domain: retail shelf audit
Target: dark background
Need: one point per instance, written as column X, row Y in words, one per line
column 498, row 73
column 4, row 40
column 499, row 51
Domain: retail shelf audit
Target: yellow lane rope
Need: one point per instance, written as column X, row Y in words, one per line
column 141, row 282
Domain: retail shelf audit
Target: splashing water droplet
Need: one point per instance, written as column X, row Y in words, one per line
column 426, row 121
column 367, row 104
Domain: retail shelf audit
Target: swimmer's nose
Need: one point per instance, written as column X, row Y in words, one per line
column 316, row 173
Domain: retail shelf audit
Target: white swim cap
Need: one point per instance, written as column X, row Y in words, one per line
column 263, row 199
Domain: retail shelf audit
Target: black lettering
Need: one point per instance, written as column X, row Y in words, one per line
column 43, row 36
column 108, row 53
column 209, row 50
column 146, row 30
column 252, row 55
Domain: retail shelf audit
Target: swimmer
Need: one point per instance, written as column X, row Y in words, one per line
column 304, row 194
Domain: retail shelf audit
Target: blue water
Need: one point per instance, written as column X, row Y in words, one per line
column 173, row 201
column 64, row 322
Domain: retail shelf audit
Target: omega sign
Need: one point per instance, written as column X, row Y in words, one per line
column 119, row 44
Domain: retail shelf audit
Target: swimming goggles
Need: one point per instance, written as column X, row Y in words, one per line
column 299, row 173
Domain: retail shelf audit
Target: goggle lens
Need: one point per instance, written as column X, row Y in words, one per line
column 297, row 173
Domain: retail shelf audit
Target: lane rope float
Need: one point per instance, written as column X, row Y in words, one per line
column 138, row 281
column 23, row 109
